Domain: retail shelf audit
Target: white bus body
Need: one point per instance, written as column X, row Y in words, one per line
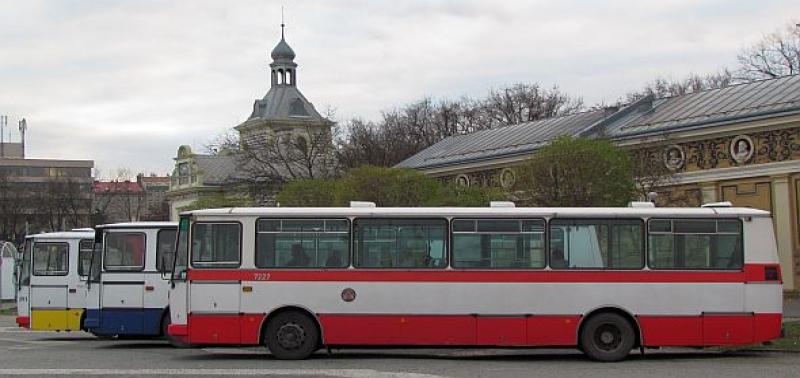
column 52, row 280
column 8, row 258
column 129, row 283
column 602, row 279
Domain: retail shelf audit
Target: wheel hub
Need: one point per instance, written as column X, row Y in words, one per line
column 608, row 337
column 291, row 336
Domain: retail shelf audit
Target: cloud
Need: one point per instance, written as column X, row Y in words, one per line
column 126, row 82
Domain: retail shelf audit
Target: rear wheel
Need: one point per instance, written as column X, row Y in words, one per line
column 607, row 337
column 291, row 335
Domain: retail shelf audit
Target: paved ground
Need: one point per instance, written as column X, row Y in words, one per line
column 79, row 354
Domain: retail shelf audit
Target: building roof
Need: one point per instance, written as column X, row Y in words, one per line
column 116, row 186
column 736, row 103
column 284, row 102
column 647, row 116
column 501, row 142
column 216, row 169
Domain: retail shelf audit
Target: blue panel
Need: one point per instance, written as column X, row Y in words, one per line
column 127, row 322
column 92, row 319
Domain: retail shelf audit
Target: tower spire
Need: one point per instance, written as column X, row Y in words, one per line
column 282, row 24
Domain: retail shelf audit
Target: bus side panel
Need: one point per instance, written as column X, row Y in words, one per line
column 728, row 329
column 556, row 330
column 671, row 330
column 214, row 329
column 398, row 330
column 767, row 327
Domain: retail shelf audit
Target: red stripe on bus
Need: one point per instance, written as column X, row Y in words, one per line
column 471, row 330
column 750, row 273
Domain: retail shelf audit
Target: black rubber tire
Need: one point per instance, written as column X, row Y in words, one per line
column 291, row 335
column 165, row 322
column 607, row 337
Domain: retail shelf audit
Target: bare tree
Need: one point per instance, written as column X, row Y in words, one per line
column 664, row 87
column 528, row 102
column 650, row 174
column 777, row 54
column 305, row 152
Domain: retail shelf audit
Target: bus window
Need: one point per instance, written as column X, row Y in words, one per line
column 599, row 244
column 400, row 243
column 298, row 243
column 216, row 244
column 124, row 251
column 50, row 259
column 165, row 250
column 85, row 249
column 181, row 261
column 695, row 244
column 498, row 243
column 25, row 265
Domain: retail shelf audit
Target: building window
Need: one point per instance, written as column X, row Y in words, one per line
column 183, row 173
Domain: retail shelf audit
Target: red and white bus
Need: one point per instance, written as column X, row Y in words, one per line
column 605, row 280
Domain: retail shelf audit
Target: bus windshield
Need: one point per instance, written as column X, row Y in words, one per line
column 97, row 250
column 25, row 265
column 181, row 250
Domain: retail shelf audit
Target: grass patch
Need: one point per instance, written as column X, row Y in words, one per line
column 791, row 294
column 8, row 311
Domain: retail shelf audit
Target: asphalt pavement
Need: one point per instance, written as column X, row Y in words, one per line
column 79, row 354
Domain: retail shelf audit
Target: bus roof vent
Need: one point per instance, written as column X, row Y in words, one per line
column 501, row 204
column 641, row 204
column 718, row 204
column 362, row 204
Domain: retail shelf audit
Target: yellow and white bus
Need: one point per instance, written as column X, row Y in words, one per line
column 52, row 288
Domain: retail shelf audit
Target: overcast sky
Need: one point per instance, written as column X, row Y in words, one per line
column 126, row 82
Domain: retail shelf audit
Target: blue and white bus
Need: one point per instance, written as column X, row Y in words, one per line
column 129, row 279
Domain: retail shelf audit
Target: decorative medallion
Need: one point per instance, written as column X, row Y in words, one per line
column 742, row 149
column 462, row 180
column 348, row 295
column 674, row 158
column 507, row 178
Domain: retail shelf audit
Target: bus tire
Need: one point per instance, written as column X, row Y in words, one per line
column 291, row 335
column 607, row 337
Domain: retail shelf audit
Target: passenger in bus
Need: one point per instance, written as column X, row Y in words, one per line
column 333, row 260
column 557, row 258
column 299, row 256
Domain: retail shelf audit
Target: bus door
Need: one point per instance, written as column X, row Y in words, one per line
column 160, row 247
column 215, row 304
column 178, row 293
column 24, row 285
column 122, row 282
column 48, row 289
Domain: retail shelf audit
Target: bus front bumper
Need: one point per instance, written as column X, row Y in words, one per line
column 178, row 330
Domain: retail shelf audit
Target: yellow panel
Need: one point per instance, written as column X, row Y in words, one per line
column 56, row 320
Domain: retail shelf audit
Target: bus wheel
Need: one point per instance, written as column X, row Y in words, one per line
column 291, row 335
column 607, row 337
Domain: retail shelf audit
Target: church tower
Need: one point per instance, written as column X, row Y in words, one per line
column 284, row 109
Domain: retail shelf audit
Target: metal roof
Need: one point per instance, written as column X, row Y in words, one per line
column 216, row 169
column 736, row 103
column 500, row 142
column 705, row 109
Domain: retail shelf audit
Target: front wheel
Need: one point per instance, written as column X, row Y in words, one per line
column 607, row 337
column 291, row 335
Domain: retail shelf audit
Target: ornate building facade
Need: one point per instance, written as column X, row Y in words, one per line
column 739, row 144
column 283, row 114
